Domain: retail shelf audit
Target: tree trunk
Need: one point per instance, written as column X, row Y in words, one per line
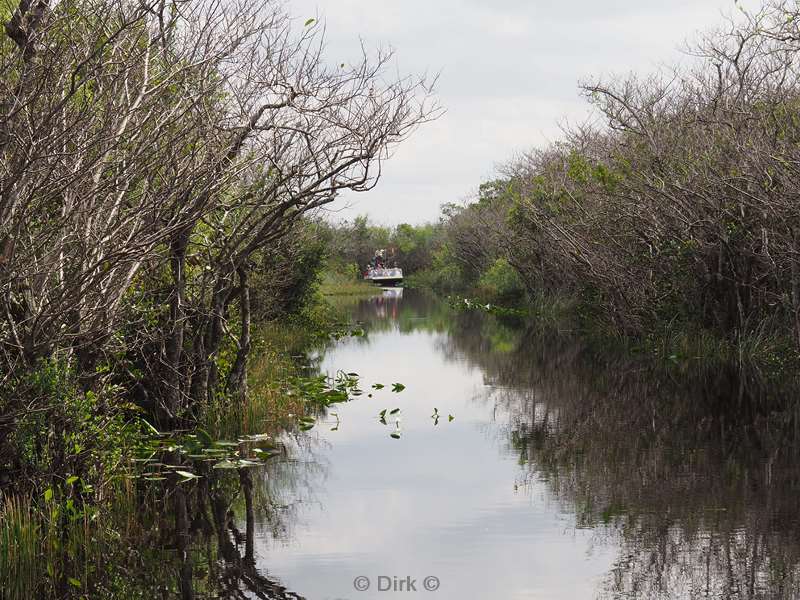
column 204, row 378
column 237, row 381
column 795, row 266
column 177, row 316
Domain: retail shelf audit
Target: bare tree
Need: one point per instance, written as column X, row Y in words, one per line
column 141, row 133
column 682, row 204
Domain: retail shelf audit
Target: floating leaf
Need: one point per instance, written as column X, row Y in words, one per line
column 378, row 386
column 394, row 411
column 395, row 435
column 450, row 418
column 187, row 475
column 224, row 464
column 309, row 22
column 398, row 387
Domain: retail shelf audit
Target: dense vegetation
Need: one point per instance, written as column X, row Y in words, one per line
column 159, row 163
column 352, row 244
column 682, row 207
column 677, row 208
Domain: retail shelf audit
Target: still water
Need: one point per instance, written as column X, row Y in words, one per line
column 564, row 473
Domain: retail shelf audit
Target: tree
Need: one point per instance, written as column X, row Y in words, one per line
column 194, row 134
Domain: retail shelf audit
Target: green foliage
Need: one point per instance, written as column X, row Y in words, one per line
column 443, row 274
column 64, row 429
column 501, row 284
column 344, row 279
column 286, row 276
column 579, row 169
column 411, row 245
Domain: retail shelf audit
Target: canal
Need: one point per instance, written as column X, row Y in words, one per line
column 519, row 461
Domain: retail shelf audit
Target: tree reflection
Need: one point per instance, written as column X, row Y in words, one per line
column 691, row 472
column 200, row 552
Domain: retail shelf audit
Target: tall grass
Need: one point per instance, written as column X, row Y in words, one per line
column 270, row 406
column 42, row 553
column 49, row 551
column 336, row 283
column 20, row 548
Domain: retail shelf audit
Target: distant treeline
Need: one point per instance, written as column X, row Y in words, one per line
column 679, row 204
column 355, row 242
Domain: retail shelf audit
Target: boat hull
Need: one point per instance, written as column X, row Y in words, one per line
column 386, row 281
column 384, row 277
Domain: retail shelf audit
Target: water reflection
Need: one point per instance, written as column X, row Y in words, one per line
column 569, row 471
column 693, row 472
column 687, row 474
column 193, row 546
column 441, row 500
column 690, row 473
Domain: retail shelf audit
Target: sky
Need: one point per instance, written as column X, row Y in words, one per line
column 509, row 72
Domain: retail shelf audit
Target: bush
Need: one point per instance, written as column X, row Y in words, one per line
column 60, row 430
column 501, row 284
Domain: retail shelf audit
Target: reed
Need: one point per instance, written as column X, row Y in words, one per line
column 270, row 405
column 335, row 283
column 20, row 548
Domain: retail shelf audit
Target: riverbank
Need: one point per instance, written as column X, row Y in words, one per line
column 675, row 341
column 345, row 283
column 85, row 532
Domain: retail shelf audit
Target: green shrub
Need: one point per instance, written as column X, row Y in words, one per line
column 500, row 284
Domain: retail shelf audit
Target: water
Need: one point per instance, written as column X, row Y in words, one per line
column 564, row 473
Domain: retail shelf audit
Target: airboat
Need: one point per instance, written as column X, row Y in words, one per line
column 383, row 276
column 383, row 270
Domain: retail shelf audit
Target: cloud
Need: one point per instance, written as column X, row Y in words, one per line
column 509, row 74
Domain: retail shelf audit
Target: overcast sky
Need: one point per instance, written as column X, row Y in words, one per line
column 509, row 77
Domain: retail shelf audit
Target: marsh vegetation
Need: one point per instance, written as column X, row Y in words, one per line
column 620, row 310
